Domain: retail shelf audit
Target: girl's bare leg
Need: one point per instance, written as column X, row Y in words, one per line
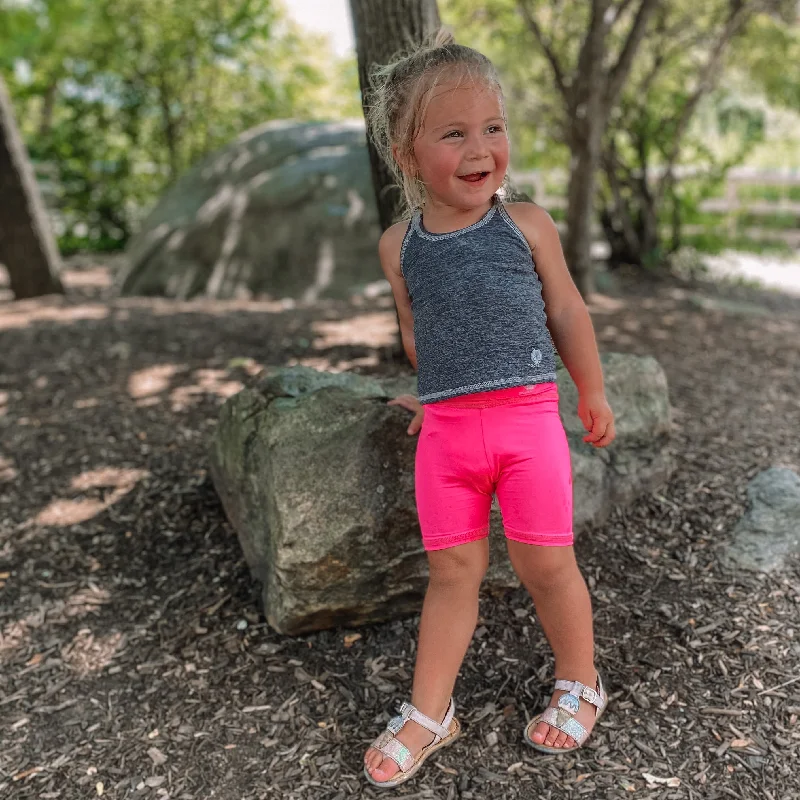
column 449, row 615
column 552, row 577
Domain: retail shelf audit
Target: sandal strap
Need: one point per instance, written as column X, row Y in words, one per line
column 564, row 721
column 392, row 747
column 442, row 730
column 396, row 750
column 595, row 697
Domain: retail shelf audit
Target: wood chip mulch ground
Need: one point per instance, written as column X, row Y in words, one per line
column 134, row 662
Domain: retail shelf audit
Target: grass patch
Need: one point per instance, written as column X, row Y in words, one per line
column 770, row 194
column 775, row 222
column 715, row 243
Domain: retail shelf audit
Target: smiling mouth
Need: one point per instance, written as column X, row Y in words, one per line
column 473, row 177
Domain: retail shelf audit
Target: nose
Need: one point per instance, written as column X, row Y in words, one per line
column 477, row 149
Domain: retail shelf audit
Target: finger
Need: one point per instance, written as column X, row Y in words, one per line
column 409, row 403
column 597, row 432
column 415, row 425
column 609, row 437
column 586, row 420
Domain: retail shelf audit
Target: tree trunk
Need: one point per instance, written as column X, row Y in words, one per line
column 585, row 161
column 580, row 213
column 382, row 29
column 590, row 90
column 27, row 247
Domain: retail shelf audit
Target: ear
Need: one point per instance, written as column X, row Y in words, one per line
column 407, row 164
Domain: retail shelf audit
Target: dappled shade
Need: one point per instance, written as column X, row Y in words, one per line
column 62, row 512
column 286, row 210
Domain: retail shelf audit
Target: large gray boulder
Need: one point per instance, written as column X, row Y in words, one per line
column 768, row 533
column 316, row 474
column 286, row 210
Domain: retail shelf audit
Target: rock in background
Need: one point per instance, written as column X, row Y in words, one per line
column 287, row 210
column 316, row 474
column 769, row 532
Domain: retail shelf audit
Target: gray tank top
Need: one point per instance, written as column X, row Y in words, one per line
column 479, row 318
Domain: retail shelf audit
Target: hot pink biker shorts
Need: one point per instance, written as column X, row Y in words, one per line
column 508, row 442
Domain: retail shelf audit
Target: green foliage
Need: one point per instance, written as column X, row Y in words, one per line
column 122, row 96
column 659, row 125
column 715, row 242
column 772, row 59
column 773, row 194
column 534, row 109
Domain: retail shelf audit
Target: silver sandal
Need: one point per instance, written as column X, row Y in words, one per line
column 444, row 734
column 562, row 716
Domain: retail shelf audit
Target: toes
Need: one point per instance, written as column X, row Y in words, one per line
column 539, row 733
column 560, row 739
column 570, row 742
column 385, row 771
column 372, row 759
column 552, row 735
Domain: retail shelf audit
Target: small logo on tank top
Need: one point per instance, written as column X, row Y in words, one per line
column 536, row 357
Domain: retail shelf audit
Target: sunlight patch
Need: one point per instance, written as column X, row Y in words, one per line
column 378, row 329
column 88, row 653
column 63, row 512
column 109, row 476
column 152, row 380
column 95, row 278
column 208, row 381
column 25, row 312
column 87, row 402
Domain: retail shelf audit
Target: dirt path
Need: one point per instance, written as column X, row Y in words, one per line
column 134, row 663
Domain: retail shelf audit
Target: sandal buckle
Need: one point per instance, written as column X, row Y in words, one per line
column 395, row 724
column 590, row 695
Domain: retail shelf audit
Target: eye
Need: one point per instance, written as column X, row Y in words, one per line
column 495, row 129
column 452, row 134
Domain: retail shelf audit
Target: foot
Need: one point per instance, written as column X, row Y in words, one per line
column 552, row 737
column 413, row 736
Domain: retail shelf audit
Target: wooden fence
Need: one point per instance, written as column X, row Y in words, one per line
column 730, row 204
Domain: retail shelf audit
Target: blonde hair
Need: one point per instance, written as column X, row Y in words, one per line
column 399, row 95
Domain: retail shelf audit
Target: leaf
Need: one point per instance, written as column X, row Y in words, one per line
column 350, row 638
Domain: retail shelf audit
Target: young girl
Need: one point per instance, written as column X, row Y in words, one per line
column 472, row 278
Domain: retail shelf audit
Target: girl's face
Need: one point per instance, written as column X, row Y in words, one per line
column 461, row 152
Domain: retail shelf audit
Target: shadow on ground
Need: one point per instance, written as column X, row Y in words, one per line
column 134, row 661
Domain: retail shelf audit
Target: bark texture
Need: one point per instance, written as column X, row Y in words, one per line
column 27, row 247
column 383, row 28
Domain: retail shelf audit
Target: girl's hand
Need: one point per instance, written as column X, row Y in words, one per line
column 598, row 418
column 412, row 404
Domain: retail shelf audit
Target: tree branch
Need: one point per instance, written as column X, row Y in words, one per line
column 739, row 14
column 619, row 72
column 533, row 26
column 590, row 58
column 619, row 11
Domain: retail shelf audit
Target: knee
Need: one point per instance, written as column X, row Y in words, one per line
column 459, row 567
column 543, row 567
